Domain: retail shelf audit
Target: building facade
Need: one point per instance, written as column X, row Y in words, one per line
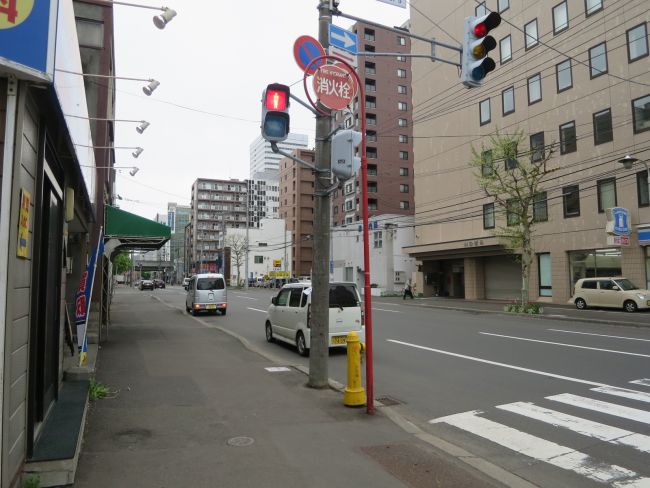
column 264, row 160
column 263, row 197
column 178, row 216
column 572, row 76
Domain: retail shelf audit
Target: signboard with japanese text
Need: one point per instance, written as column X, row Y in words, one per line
column 277, row 263
column 23, row 222
column 335, row 86
column 618, row 241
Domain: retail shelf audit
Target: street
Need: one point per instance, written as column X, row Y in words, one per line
column 557, row 402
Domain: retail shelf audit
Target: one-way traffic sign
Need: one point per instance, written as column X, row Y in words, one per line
column 343, row 39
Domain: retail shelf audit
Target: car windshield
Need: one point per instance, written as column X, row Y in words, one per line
column 343, row 296
column 626, row 285
column 210, row 284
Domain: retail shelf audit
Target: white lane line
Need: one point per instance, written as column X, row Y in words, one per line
column 503, row 365
column 567, row 345
column 642, row 382
column 641, row 396
column 603, row 407
column 561, row 456
column 595, row 430
column 384, row 310
column 247, row 298
column 256, row 309
column 600, row 335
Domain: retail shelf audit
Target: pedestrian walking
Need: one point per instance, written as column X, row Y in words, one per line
column 408, row 290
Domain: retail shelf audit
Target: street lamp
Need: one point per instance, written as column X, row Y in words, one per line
column 140, row 129
column 159, row 21
column 147, row 89
column 628, row 161
column 137, row 149
column 134, row 169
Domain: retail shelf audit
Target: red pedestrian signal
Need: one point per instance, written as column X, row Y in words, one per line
column 275, row 112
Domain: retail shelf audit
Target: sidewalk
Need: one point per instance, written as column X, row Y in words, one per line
column 194, row 408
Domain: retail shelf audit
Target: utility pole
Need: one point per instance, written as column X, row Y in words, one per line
column 248, row 199
column 318, row 372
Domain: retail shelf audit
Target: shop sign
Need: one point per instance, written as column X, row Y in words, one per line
column 474, row 243
column 277, row 263
column 618, row 221
column 23, row 223
column 618, row 241
column 644, row 235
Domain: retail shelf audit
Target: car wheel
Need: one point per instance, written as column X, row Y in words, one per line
column 269, row 332
column 581, row 304
column 630, row 306
column 192, row 311
column 187, row 309
column 301, row 345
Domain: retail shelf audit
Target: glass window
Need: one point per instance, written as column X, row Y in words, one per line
column 259, row 259
column 371, row 136
column 90, row 33
column 598, row 60
column 403, row 155
column 371, row 102
column 593, row 263
column 371, row 119
column 403, row 171
column 510, row 156
column 643, row 196
column 487, row 164
column 480, row 10
column 505, row 48
column 545, row 275
column 401, row 106
column 563, row 75
column 637, row 42
column 540, row 207
column 401, row 89
column 508, row 100
column 294, row 298
column 402, row 122
column 503, row 5
column 512, row 211
column 403, row 138
column 571, row 201
column 371, row 68
column 377, row 240
column 401, row 73
column 484, row 111
column 401, row 41
column 403, row 205
column 603, row 127
column 589, row 285
column 641, row 114
column 369, row 35
column 593, row 6
column 531, row 34
column 560, row 18
column 568, row 142
column 283, row 298
column 488, row 216
column 210, row 284
column 403, row 188
column 537, row 147
column 534, row 89
column 343, row 296
column 606, row 194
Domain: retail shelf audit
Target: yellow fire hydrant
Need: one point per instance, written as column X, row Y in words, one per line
column 355, row 394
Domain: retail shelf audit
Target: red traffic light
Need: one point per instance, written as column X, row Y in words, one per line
column 486, row 24
column 276, row 99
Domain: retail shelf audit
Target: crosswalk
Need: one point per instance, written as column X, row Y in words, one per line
column 602, row 401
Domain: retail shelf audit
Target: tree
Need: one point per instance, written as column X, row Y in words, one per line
column 238, row 245
column 122, row 263
column 513, row 181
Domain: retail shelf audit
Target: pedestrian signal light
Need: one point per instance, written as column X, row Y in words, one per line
column 275, row 112
column 475, row 65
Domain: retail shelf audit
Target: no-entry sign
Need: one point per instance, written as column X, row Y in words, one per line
column 335, row 86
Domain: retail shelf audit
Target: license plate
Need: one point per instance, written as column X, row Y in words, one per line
column 647, row 302
column 210, row 307
column 339, row 340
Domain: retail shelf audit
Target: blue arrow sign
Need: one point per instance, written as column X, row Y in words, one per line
column 343, row 39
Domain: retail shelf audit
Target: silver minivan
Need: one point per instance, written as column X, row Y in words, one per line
column 206, row 293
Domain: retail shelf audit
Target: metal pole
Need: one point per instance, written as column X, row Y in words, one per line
column 248, row 199
column 318, row 372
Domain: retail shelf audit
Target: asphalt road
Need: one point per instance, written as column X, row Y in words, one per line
column 555, row 401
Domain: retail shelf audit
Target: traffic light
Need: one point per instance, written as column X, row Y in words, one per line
column 275, row 112
column 475, row 65
column 345, row 163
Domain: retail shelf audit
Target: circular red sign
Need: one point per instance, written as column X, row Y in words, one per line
column 305, row 49
column 335, row 86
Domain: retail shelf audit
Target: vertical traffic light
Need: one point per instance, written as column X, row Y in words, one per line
column 275, row 112
column 345, row 163
column 475, row 64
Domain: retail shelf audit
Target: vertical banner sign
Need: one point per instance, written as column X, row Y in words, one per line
column 23, row 220
column 83, row 298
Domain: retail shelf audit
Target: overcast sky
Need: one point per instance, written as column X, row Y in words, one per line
column 213, row 61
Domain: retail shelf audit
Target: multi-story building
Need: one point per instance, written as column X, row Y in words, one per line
column 389, row 147
column 297, row 209
column 264, row 160
column 178, row 216
column 264, row 197
column 573, row 77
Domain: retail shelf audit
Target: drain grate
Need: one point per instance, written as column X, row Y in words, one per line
column 388, row 401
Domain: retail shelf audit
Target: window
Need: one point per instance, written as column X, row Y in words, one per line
column 603, row 127
column 537, row 147
column 531, row 34
column 372, row 187
column 503, row 5
column 402, row 106
column 404, row 205
column 505, row 48
column 641, row 114
column 598, row 60
column 401, row 73
column 606, row 194
column 296, row 295
column 371, row 102
column 377, row 241
column 480, row 10
column 508, row 100
column 90, row 33
column 401, row 41
column 643, row 195
column 637, row 42
column 571, row 201
column 488, row 216
column 510, row 156
column 403, row 188
column 560, row 18
column 484, row 111
column 534, row 89
column 402, row 138
column 404, row 155
column 283, row 298
column 512, row 211
column 402, row 122
column 593, row 6
column 369, row 49
column 371, row 119
column 372, row 170
column 540, row 207
column 568, row 142
column 371, row 68
column 371, row 85
column 545, row 275
column 371, row 136
column 369, row 35
column 371, row 152
column 487, row 163
column 401, row 59
column 259, row 260
column 403, row 171
column 401, row 89
column 563, row 75
column 348, row 205
column 594, row 263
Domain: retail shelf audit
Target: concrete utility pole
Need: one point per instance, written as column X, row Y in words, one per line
column 248, row 199
column 318, row 373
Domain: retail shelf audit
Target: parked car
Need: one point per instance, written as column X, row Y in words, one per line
column 146, row 285
column 206, row 293
column 610, row 293
column 186, row 281
column 289, row 315
column 158, row 283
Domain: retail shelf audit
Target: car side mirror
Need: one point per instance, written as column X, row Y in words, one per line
column 273, row 300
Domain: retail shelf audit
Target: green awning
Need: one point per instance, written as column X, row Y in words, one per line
column 133, row 231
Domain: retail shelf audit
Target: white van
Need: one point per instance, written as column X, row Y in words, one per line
column 206, row 293
column 288, row 316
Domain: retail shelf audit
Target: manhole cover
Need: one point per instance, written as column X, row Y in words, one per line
column 388, row 401
column 240, row 441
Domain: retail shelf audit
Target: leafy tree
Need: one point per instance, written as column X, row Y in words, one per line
column 513, row 181
column 122, row 263
column 238, row 245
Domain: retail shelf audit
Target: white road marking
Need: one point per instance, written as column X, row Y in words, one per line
column 566, row 345
column 256, row 309
column 603, row 407
column 595, row 430
column 600, row 335
column 384, row 310
column 642, row 382
column 561, row 456
column 277, row 369
column 641, row 396
column 247, row 298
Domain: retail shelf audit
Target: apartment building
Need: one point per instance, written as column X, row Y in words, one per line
column 297, row 209
column 264, row 197
column 178, row 216
column 264, row 160
column 573, row 76
column 389, row 147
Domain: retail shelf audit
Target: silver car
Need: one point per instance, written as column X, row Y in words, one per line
column 206, row 293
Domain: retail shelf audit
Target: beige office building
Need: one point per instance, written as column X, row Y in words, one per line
column 578, row 83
